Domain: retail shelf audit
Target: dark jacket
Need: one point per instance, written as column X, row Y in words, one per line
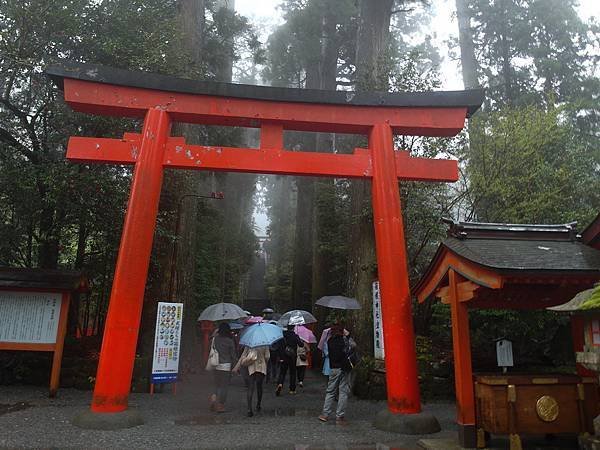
column 290, row 339
column 337, row 355
column 226, row 349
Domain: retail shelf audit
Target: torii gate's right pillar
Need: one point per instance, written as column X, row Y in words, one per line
column 404, row 405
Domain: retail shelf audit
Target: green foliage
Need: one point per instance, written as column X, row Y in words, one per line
column 369, row 382
column 531, row 50
column 535, row 151
column 594, row 301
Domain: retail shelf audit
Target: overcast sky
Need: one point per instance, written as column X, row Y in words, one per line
column 444, row 23
column 268, row 15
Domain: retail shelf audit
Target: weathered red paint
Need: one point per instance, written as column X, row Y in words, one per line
column 271, row 160
column 117, row 356
column 400, row 356
column 98, row 98
column 153, row 150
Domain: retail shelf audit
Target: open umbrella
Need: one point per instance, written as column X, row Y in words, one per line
column 305, row 334
column 222, row 311
column 260, row 334
column 338, row 302
column 296, row 317
column 235, row 326
column 253, row 319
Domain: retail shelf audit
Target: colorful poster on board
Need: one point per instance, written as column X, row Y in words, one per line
column 379, row 351
column 167, row 338
column 29, row 317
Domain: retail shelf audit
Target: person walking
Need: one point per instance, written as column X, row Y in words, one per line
column 255, row 361
column 287, row 355
column 340, row 347
column 224, row 345
column 302, row 362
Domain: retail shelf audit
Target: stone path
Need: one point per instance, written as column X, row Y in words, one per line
column 29, row 419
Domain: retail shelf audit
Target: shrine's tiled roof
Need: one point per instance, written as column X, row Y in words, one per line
column 508, row 247
column 53, row 279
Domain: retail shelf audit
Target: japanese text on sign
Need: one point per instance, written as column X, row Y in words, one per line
column 29, row 317
column 377, row 323
column 165, row 362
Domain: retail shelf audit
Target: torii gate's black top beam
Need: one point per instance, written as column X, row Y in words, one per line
column 470, row 99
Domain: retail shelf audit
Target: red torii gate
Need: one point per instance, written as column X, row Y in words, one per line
column 163, row 100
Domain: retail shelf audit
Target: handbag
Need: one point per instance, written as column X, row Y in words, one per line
column 213, row 357
column 302, row 354
column 250, row 357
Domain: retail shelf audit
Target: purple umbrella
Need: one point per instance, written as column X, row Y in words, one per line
column 305, row 334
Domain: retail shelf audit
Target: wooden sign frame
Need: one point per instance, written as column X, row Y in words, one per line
column 56, row 347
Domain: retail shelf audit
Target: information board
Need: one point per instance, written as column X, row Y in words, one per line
column 379, row 351
column 29, row 317
column 165, row 362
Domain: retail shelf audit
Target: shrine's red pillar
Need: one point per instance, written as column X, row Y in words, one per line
column 399, row 341
column 117, row 357
column 463, row 371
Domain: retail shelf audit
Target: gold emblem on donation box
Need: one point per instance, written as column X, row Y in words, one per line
column 547, row 408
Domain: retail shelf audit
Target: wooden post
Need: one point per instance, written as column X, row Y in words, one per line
column 117, row 356
column 399, row 340
column 463, row 373
column 60, row 343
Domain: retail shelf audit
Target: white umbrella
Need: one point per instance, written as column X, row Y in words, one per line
column 338, row 302
column 222, row 311
column 296, row 317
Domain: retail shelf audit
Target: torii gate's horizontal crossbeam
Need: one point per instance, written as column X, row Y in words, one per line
column 107, row 99
column 105, row 90
column 180, row 155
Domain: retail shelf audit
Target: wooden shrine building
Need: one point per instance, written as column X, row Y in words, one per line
column 500, row 266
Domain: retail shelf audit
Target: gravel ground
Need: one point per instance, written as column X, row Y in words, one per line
column 29, row 419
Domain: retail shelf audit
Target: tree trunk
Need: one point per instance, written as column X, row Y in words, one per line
column 176, row 184
column 303, row 257
column 507, row 81
column 469, row 65
column 372, row 45
column 324, row 188
column 372, row 73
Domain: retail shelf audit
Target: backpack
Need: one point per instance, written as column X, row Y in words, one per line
column 351, row 355
column 289, row 351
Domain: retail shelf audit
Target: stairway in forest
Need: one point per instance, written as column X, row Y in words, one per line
column 256, row 298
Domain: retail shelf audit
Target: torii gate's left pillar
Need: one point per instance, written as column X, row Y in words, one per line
column 124, row 311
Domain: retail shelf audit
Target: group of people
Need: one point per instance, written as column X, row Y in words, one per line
column 290, row 355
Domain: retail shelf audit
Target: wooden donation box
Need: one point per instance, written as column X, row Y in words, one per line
column 534, row 404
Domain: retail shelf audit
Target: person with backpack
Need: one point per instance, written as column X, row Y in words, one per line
column 342, row 358
column 287, row 357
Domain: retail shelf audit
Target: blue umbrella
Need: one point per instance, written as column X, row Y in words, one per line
column 260, row 334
